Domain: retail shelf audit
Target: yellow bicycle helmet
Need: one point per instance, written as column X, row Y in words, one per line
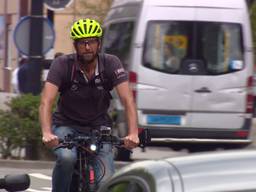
column 84, row 28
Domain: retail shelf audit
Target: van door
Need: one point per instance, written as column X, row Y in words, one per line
column 163, row 95
column 220, row 94
column 196, row 71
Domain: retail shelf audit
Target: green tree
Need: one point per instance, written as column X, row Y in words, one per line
column 253, row 24
column 12, row 136
column 19, row 126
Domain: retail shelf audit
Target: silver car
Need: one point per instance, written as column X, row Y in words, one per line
column 205, row 172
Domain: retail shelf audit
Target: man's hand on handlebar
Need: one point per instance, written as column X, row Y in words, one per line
column 131, row 141
column 50, row 140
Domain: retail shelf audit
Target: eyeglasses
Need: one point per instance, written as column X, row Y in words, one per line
column 90, row 42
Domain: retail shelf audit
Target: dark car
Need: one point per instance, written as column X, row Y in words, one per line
column 205, row 172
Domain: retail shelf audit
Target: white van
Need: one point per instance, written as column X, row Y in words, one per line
column 190, row 65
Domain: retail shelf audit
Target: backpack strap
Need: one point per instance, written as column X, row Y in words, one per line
column 105, row 74
column 71, row 68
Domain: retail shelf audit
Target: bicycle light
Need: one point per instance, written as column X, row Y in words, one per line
column 93, row 147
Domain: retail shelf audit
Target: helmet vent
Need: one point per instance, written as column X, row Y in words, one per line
column 76, row 32
column 80, row 29
column 85, row 29
column 90, row 29
column 95, row 29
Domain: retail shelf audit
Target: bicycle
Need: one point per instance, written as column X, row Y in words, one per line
column 83, row 179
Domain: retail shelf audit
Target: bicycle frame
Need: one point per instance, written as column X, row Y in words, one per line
column 84, row 176
column 85, row 172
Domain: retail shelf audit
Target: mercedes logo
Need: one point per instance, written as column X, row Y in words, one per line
column 193, row 67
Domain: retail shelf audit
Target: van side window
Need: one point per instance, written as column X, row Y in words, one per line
column 117, row 40
column 214, row 48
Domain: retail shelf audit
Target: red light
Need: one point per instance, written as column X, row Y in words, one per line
column 241, row 133
column 133, row 82
column 249, row 97
column 132, row 77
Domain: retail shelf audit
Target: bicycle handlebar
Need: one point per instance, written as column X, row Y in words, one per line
column 71, row 141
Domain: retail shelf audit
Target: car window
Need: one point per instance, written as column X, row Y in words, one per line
column 169, row 44
column 125, row 186
column 117, row 40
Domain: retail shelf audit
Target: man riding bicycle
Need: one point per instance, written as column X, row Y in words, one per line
column 83, row 81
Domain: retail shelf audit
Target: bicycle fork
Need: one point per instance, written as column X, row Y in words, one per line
column 87, row 177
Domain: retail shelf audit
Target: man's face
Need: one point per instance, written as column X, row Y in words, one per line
column 87, row 49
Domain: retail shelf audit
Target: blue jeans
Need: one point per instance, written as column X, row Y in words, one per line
column 66, row 160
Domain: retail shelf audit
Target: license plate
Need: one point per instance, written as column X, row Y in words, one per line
column 164, row 119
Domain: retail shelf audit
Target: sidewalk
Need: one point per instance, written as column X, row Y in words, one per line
column 26, row 164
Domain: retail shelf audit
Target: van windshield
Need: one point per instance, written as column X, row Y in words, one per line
column 216, row 46
column 117, row 40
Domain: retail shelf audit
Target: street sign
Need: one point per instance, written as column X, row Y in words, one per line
column 56, row 5
column 22, row 32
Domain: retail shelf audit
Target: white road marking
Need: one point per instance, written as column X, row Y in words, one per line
column 44, row 190
column 40, row 176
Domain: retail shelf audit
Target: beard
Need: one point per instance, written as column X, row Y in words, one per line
column 87, row 57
